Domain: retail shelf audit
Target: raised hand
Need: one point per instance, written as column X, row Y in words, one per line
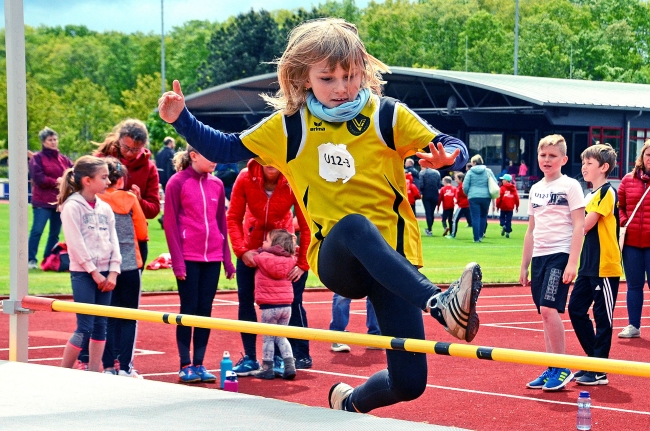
column 171, row 103
column 438, row 157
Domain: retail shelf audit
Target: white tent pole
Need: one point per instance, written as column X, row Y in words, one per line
column 18, row 208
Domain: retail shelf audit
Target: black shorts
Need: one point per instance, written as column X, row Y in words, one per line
column 546, row 284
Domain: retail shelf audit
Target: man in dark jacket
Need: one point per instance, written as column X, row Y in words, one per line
column 45, row 168
column 164, row 161
column 430, row 184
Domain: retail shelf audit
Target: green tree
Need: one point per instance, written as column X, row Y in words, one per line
column 489, row 47
column 241, row 48
column 143, row 99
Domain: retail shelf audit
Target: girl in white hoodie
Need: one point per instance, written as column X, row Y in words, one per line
column 89, row 229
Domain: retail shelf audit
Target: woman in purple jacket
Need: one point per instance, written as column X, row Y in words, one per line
column 195, row 228
column 45, row 168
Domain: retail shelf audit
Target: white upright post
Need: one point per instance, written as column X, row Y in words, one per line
column 18, row 208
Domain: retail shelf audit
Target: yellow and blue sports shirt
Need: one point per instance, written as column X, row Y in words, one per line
column 601, row 256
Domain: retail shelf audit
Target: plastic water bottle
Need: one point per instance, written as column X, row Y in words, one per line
column 231, row 383
column 584, row 411
column 226, row 365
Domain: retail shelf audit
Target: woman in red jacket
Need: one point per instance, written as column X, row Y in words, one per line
column 636, row 252
column 127, row 143
column 260, row 202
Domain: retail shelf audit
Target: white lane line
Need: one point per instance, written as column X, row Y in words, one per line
column 472, row 391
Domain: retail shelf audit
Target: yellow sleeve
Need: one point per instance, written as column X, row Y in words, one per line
column 268, row 140
column 604, row 206
column 411, row 133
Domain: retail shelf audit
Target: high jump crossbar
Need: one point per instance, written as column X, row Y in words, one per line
column 615, row 366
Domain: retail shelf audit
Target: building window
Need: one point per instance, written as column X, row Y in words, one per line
column 489, row 146
column 612, row 136
column 637, row 139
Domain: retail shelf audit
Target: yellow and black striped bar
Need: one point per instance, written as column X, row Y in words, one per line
column 613, row 366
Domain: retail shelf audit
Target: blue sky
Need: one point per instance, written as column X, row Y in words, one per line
column 129, row 16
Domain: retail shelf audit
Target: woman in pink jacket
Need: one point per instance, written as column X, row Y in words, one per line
column 195, row 228
column 274, row 295
column 636, row 252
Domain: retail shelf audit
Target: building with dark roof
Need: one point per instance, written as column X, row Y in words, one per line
column 501, row 117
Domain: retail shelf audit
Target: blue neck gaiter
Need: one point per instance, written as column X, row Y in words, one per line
column 342, row 113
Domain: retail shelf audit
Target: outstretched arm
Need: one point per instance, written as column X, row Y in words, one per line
column 446, row 152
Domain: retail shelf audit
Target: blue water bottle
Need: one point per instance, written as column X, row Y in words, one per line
column 226, row 365
column 584, row 411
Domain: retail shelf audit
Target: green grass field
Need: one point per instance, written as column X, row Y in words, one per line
column 444, row 259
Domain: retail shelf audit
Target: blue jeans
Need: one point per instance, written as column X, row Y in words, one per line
column 505, row 220
column 41, row 216
column 429, row 209
column 341, row 315
column 636, row 262
column 478, row 208
column 84, row 290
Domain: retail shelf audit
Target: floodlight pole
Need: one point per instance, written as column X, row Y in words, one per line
column 18, row 208
column 162, row 44
column 516, row 35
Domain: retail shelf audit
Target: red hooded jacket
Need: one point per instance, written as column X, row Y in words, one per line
column 262, row 213
column 271, row 284
column 508, row 199
column 629, row 192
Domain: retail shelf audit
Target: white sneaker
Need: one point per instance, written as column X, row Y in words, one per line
column 337, row 347
column 629, row 332
column 457, row 304
column 32, row 264
column 134, row 374
column 109, row 371
column 338, row 394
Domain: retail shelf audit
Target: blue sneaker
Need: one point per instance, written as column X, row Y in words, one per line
column 539, row 382
column 559, row 378
column 205, row 375
column 246, row 366
column 188, row 375
column 592, row 379
column 278, row 366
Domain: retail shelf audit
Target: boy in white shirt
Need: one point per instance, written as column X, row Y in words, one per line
column 553, row 242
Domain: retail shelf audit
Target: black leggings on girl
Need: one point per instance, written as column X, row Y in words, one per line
column 356, row 261
column 196, row 293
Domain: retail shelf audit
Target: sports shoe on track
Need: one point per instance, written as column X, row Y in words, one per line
column 188, row 375
column 246, row 366
column 592, row 379
column 629, row 332
column 340, row 347
column 205, row 375
column 558, row 379
column 133, row 374
column 455, row 308
column 579, row 374
column 83, row 366
column 303, row 363
column 278, row 366
column 539, row 382
column 109, row 371
column 338, row 394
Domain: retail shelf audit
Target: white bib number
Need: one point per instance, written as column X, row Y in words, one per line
column 335, row 162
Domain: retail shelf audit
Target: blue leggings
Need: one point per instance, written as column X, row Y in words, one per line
column 356, row 261
column 84, row 290
column 636, row 262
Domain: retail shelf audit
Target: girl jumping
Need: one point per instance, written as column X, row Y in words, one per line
column 348, row 175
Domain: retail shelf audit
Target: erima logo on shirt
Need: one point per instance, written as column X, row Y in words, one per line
column 358, row 125
column 317, row 127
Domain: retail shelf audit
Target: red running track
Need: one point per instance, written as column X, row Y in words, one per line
column 466, row 393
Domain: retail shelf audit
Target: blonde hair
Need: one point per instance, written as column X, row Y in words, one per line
column 327, row 39
column 476, row 159
column 85, row 166
column 134, row 129
column 638, row 164
column 553, row 140
column 446, row 180
column 182, row 159
column 603, row 153
column 284, row 239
